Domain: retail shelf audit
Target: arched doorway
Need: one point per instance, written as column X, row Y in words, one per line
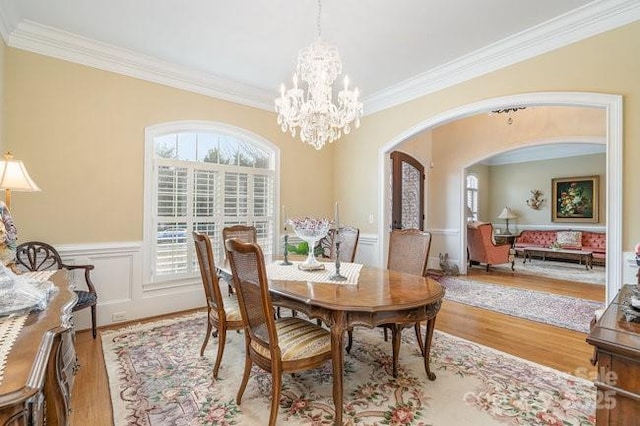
column 612, row 104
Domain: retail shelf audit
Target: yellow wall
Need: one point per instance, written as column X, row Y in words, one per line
column 455, row 147
column 80, row 132
column 607, row 63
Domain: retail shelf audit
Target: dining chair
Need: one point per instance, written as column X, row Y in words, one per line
column 349, row 236
column 246, row 233
column 409, row 253
column 38, row 256
column 221, row 315
column 277, row 345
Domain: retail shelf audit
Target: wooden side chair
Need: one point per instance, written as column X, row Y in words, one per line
column 349, row 237
column 38, row 256
column 246, row 233
column 221, row 316
column 408, row 253
column 283, row 345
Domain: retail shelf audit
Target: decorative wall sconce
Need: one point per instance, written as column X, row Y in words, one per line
column 536, row 200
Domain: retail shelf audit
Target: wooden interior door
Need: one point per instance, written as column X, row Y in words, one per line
column 407, row 193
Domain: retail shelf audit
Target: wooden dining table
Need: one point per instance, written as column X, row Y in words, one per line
column 381, row 296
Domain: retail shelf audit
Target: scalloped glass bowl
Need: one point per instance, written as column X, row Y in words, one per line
column 310, row 230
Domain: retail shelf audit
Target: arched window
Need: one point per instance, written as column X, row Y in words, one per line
column 203, row 177
column 472, row 196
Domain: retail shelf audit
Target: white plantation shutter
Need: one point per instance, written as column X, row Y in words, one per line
column 204, row 185
column 472, row 195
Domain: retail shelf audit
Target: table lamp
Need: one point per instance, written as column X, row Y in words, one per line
column 507, row 214
column 14, row 177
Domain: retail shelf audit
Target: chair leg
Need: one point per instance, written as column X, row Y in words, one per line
column 222, row 338
column 93, row 321
column 386, row 337
column 416, row 327
column 350, row 339
column 206, row 338
column 513, row 265
column 487, row 267
column 247, row 370
column 276, row 375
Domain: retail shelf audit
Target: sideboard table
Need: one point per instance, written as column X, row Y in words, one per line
column 617, row 343
column 40, row 366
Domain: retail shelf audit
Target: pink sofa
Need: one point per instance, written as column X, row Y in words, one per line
column 592, row 241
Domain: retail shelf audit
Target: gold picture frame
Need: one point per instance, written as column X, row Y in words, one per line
column 575, row 199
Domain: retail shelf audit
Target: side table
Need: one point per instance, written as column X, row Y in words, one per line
column 506, row 238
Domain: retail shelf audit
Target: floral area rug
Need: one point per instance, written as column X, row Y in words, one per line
column 556, row 269
column 157, row 378
column 562, row 311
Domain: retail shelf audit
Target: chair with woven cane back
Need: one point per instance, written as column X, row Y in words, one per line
column 246, row 233
column 408, row 253
column 38, row 256
column 348, row 244
column 282, row 345
column 221, row 315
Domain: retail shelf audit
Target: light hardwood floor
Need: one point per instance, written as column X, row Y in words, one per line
column 562, row 349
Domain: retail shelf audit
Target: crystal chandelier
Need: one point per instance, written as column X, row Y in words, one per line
column 313, row 114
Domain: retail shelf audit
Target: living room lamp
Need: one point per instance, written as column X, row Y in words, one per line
column 507, row 214
column 14, row 177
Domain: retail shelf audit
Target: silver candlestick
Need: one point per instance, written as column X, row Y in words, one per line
column 337, row 276
column 285, row 261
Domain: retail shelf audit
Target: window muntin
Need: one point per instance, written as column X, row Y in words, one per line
column 205, row 180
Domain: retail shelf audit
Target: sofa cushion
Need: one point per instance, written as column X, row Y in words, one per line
column 569, row 239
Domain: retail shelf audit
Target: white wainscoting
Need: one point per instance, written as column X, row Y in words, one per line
column 122, row 297
column 118, row 280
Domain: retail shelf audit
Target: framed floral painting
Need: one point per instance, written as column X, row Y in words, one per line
column 575, row 199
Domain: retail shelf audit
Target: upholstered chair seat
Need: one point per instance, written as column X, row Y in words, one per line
column 298, row 339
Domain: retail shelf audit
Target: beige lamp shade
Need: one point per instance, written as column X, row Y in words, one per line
column 14, row 177
column 506, row 213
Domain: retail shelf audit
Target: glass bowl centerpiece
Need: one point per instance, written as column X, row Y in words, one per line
column 311, row 230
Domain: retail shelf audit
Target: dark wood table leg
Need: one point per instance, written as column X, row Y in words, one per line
column 337, row 331
column 428, row 338
column 396, row 334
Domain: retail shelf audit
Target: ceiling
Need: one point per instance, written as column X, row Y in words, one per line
column 242, row 50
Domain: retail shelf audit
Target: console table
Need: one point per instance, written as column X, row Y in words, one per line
column 617, row 343
column 40, row 366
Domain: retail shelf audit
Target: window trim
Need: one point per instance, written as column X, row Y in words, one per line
column 192, row 126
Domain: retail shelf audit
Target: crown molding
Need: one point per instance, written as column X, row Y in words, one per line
column 589, row 20
column 49, row 41
column 592, row 19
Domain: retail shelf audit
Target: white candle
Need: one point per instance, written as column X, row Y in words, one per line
column 284, row 217
column 337, row 216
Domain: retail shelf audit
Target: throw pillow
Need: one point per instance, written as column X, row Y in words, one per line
column 569, row 239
